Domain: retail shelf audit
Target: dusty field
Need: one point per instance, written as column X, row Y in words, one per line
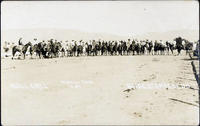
column 91, row 90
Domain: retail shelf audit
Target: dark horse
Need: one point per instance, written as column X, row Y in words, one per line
column 103, row 48
column 149, row 47
column 22, row 50
column 124, row 48
column 88, row 49
column 79, row 50
column 40, row 49
column 179, row 45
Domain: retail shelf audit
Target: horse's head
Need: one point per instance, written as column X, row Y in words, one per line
column 29, row 44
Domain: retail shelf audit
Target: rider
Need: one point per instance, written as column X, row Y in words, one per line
column 20, row 42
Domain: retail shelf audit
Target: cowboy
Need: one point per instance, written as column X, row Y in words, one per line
column 142, row 43
column 128, row 43
column 20, row 42
column 55, row 41
column 93, row 44
column 161, row 42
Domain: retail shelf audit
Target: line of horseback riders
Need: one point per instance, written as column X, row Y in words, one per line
column 54, row 48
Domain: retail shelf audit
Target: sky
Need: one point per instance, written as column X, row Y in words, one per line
column 115, row 17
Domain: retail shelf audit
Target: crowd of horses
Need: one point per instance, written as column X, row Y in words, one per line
column 54, row 49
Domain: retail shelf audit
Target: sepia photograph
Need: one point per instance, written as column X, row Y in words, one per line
column 100, row 62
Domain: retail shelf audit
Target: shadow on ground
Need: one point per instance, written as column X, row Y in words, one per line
column 195, row 69
column 195, row 73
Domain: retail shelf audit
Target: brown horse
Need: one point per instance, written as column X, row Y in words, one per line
column 22, row 50
column 188, row 46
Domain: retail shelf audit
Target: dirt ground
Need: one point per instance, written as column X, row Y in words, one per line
column 129, row 90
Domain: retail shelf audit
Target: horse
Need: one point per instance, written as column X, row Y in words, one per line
column 124, row 48
column 79, row 50
column 119, row 49
column 137, row 48
column 22, row 50
column 95, row 49
column 155, row 48
column 99, row 48
column 162, row 49
column 38, row 49
column 70, row 49
column 57, row 48
column 63, row 49
column 171, row 47
column 132, row 48
column 159, row 47
column 88, row 49
column 179, row 45
column 142, row 48
column 115, row 48
column 103, row 48
column 149, row 48
column 167, row 46
column 74, row 49
column 188, row 46
column 110, row 48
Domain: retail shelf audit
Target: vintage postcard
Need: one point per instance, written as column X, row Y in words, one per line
column 100, row 63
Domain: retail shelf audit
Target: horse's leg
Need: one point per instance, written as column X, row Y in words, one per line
column 51, row 53
column 178, row 51
column 13, row 54
column 24, row 55
column 168, row 51
column 31, row 55
column 39, row 55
